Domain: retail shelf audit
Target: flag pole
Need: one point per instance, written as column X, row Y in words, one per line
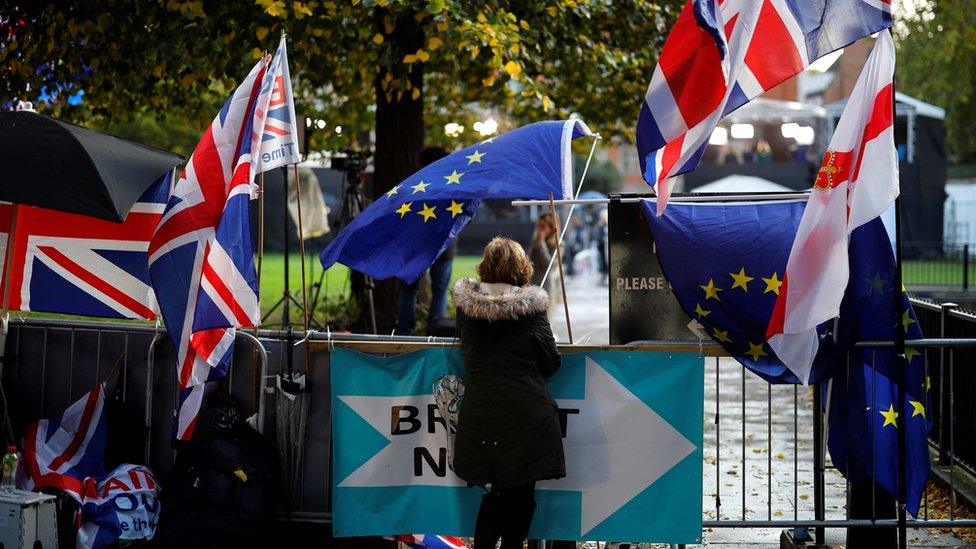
column 900, row 362
column 559, row 260
column 260, row 238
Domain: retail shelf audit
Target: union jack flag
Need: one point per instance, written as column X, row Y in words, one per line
column 63, row 451
column 430, row 541
column 722, row 54
column 75, row 264
column 279, row 142
column 201, row 256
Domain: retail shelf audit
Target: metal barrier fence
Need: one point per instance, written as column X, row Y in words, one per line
column 766, row 465
column 953, row 381
column 939, row 265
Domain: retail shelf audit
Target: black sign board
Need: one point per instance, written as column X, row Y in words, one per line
column 642, row 306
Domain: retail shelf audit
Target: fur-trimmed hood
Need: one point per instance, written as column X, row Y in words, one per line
column 493, row 302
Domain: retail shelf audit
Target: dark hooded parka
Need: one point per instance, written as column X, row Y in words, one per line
column 508, row 426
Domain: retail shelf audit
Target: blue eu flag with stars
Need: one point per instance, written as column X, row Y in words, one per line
column 403, row 232
column 863, row 396
column 725, row 263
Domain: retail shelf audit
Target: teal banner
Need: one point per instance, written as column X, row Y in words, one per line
column 632, row 438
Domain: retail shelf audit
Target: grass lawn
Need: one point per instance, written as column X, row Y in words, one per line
column 335, row 282
column 936, row 272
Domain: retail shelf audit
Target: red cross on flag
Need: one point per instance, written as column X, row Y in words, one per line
column 857, row 182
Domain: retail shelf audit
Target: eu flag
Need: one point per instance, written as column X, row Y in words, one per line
column 864, row 414
column 403, row 232
column 725, row 264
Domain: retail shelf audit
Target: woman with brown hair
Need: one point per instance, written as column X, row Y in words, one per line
column 508, row 427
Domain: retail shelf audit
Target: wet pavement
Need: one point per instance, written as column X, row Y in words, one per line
column 758, row 443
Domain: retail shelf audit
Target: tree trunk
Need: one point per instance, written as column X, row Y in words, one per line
column 399, row 139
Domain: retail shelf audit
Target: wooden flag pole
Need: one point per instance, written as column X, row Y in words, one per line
column 559, row 260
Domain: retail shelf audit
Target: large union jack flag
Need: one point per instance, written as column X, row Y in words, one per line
column 201, row 256
column 722, row 54
column 75, row 264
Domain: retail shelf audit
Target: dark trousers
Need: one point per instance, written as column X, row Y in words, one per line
column 505, row 513
column 440, row 279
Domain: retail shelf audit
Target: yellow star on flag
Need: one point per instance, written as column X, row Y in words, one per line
column 474, row 157
column 420, row 187
column 454, row 178
column 910, row 353
column 917, row 408
column 392, row 192
column 456, row 209
column 721, row 335
column 906, row 319
column 741, row 280
column 404, row 209
column 428, row 212
column 889, row 416
column 702, row 313
column 711, row 290
column 772, row 284
column 756, row 351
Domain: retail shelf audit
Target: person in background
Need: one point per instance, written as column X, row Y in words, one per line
column 508, row 434
column 440, row 277
column 601, row 235
column 541, row 250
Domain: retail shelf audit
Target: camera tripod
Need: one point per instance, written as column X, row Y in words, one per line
column 353, row 203
column 287, row 299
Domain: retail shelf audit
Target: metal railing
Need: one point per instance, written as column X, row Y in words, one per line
column 939, row 266
column 766, row 464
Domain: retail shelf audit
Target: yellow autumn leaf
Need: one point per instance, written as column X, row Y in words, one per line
column 416, row 94
column 300, row 9
column 261, row 32
column 524, row 24
column 442, row 26
column 378, row 39
column 256, row 53
column 423, row 56
column 546, row 103
column 488, row 81
column 434, row 43
column 475, row 51
column 409, row 58
column 482, row 18
column 552, row 11
column 513, row 69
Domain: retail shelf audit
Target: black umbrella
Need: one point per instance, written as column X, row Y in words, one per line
column 56, row 165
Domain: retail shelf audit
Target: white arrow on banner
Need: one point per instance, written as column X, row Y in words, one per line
column 616, row 446
column 620, row 447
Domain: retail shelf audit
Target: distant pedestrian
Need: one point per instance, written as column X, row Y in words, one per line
column 509, row 435
column 541, row 251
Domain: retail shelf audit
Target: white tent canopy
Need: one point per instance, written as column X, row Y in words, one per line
column 736, row 183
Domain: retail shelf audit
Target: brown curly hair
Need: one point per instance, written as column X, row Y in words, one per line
column 505, row 261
